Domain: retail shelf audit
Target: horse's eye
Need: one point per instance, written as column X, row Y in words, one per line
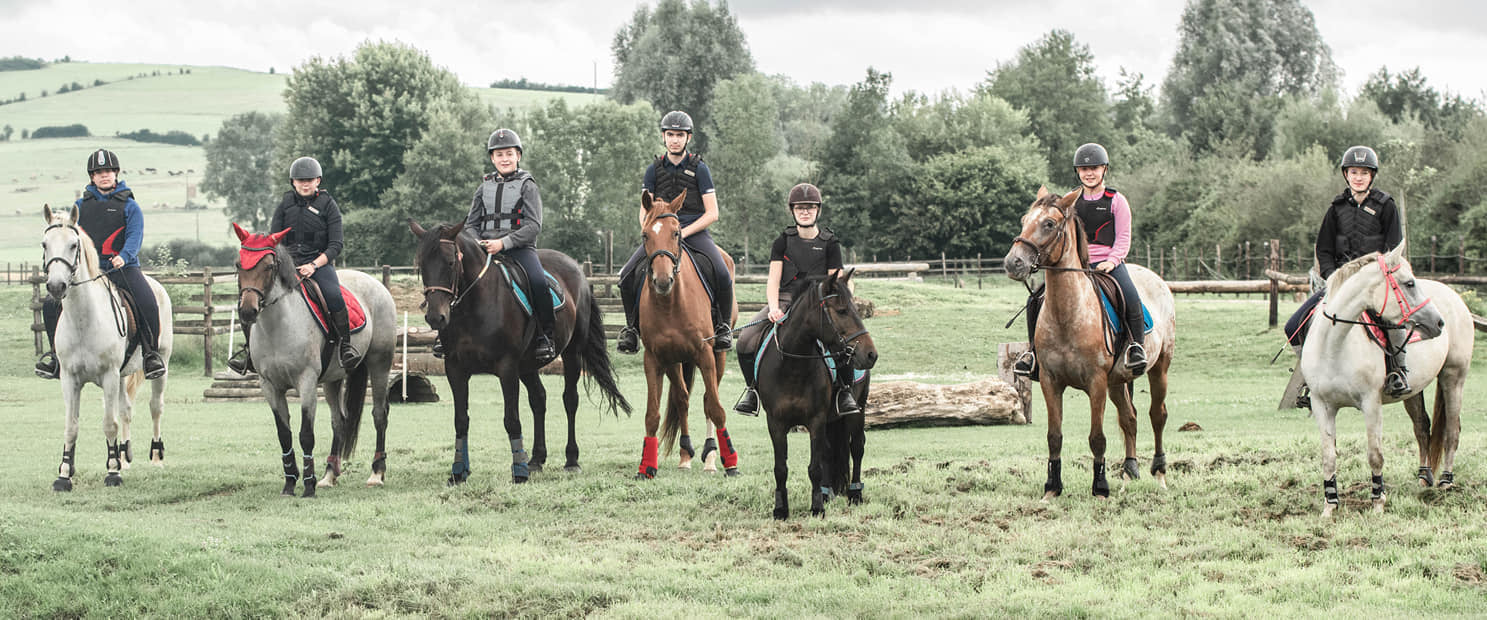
column 1048, row 223
column 1410, row 284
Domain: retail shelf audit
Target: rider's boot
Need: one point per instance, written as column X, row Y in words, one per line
column 51, row 312
column 722, row 337
column 629, row 340
column 1397, row 382
column 748, row 404
column 242, row 361
column 1026, row 365
column 845, row 404
column 544, row 350
column 341, row 322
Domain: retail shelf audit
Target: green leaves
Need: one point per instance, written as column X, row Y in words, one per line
column 240, row 168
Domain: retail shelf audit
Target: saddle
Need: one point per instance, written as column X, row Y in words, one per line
column 315, row 300
column 517, row 279
column 827, row 359
column 132, row 333
column 704, row 267
column 1115, row 304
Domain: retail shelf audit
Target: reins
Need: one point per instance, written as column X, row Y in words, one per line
column 848, row 343
column 115, row 304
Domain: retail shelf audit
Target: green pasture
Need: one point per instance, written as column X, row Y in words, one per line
column 952, row 525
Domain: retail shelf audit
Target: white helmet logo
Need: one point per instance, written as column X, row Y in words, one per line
column 101, row 160
column 1359, row 156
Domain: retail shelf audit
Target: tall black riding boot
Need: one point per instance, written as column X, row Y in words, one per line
column 1027, row 363
column 51, row 312
column 341, row 322
column 845, row 404
column 629, row 340
column 1135, row 353
column 242, row 361
column 748, row 404
column 1397, row 382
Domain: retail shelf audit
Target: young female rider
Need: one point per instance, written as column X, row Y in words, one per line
column 802, row 251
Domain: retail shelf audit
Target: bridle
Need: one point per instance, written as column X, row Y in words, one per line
column 77, row 257
column 1042, row 252
column 457, row 268
column 263, row 300
column 1392, row 286
column 676, row 261
column 847, row 343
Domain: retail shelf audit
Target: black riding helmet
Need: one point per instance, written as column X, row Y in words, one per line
column 103, row 159
column 1091, row 155
column 503, row 139
column 804, row 193
column 677, row 120
column 304, row 168
column 1359, row 157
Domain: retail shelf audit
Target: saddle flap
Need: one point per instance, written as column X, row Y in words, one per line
column 315, row 300
column 517, row 279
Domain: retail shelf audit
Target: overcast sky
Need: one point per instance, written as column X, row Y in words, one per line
column 928, row 45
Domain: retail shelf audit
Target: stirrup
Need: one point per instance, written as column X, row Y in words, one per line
column 438, row 349
column 1397, row 383
column 349, row 355
column 628, row 341
column 845, row 404
column 748, row 404
column 1136, row 358
column 241, row 362
column 46, row 367
column 1025, row 365
column 154, row 367
column 544, row 351
column 722, row 338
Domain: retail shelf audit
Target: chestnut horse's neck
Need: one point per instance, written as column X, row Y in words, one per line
column 1070, row 293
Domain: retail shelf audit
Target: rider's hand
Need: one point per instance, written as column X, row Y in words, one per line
column 306, row 270
column 116, row 262
column 493, row 246
column 775, row 314
column 1105, row 266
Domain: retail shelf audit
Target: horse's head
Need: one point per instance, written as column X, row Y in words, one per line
column 1387, row 283
column 259, row 264
column 838, row 325
column 65, row 248
column 1049, row 230
column 438, row 260
column 662, row 234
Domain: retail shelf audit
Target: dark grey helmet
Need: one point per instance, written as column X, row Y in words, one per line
column 304, row 168
column 1091, row 155
column 103, row 159
column 503, row 139
column 677, row 120
column 1359, row 157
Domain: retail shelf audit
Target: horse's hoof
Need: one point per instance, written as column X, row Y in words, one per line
column 520, row 472
column 1445, row 485
column 731, row 472
column 1327, row 510
column 1050, row 495
column 854, row 497
column 113, row 479
column 818, row 512
column 62, row 485
column 288, row 489
column 572, row 469
column 684, row 465
column 1426, row 477
column 534, row 467
column 309, row 487
column 1162, row 480
column 1099, row 490
column 327, row 482
column 454, row 481
column 375, row 480
column 780, row 514
column 1378, row 505
column 640, row 476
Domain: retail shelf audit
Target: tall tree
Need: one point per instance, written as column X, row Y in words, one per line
column 1235, row 60
column 864, row 166
column 745, row 138
column 1054, row 81
column 358, row 116
column 672, row 56
column 240, row 168
column 1406, row 95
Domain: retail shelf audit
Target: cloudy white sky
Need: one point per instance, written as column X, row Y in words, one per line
column 928, row 45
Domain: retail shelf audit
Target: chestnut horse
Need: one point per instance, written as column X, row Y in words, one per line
column 1071, row 342
column 676, row 325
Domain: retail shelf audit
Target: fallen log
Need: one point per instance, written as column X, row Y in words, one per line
column 986, row 402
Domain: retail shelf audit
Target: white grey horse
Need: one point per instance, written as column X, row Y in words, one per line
column 289, row 351
column 1346, row 369
column 91, row 344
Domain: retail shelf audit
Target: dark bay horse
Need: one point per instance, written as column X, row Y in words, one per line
column 1071, row 340
column 796, row 389
column 470, row 301
column 290, row 351
column 676, row 326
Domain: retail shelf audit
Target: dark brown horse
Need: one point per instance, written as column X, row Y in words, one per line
column 484, row 329
column 1071, row 340
column 676, row 325
column 796, row 388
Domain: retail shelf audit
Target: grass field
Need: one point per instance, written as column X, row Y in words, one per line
column 951, row 526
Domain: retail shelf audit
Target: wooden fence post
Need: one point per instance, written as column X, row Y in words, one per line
column 944, row 268
column 387, row 277
column 206, row 321
column 1433, row 248
column 1274, row 286
column 1461, row 257
column 1248, row 273
column 978, row 270
column 1218, row 261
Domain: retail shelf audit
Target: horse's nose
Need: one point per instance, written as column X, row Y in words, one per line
column 435, row 320
column 57, row 290
column 247, row 315
column 872, row 358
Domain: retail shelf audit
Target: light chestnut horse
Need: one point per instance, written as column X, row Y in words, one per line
column 1346, row 369
column 1071, row 342
column 676, row 325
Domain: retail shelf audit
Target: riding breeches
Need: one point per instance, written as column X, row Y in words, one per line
column 538, row 291
column 1135, row 323
column 1300, row 321
column 330, row 287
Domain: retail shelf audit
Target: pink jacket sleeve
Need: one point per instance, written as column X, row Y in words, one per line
column 1121, row 210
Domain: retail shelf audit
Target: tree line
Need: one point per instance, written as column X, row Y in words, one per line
column 1238, row 143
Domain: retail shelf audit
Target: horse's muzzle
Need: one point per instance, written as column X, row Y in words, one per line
column 865, row 354
column 1016, row 266
column 57, row 289
column 247, row 315
column 436, row 319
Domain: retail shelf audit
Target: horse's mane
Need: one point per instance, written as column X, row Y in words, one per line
column 284, row 268
column 1349, row 269
column 89, row 253
column 802, row 286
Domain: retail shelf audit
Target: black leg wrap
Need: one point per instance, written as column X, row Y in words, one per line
column 1055, row 483
column 686, row 446
column 65, row 472
column 1448, row 479
column 1159, row 464
column 1329, row 490
column 1100, row 487
column 1378, row 487
column 126, row 452
column 291, row 474
column 1132, row 469
column 157, row 450
column 1426, row 476
column 112, row 478
column 379, row 463
column 708, row 447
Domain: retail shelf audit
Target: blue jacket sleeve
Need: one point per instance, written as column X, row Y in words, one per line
column 134, row 233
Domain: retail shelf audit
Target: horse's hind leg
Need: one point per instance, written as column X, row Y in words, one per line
column 1125, row 415
column 1415, row 406
column 1157, row 380
column 537, row 401
column 71, row 389
column 858, row 444
column 1448, row 414
column 677, row 400
column 379, row 378
column 572, row 370
column 779, row 437
column 1373, row 420
column 335, row 400
column 713, row 406
column 157, row 409
column 510, row 397
column 113, row 395
column 130, row 385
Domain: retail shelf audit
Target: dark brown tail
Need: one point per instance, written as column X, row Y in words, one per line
column 356, row 398
column 596, row 362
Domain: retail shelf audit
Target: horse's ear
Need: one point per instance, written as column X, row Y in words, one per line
column 455, row 231
column 646, row 200
column 418, row 231
column 831, row 281
column 1067, row 200
column 72, row 216
column 1397, row 253
column 242, row 234
column 46, row 212
column 676, row 203
column 1042, row 191
column 276, row 237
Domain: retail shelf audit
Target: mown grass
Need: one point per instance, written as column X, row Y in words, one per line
column 951, row 527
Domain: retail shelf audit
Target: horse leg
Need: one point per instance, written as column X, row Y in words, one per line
column 1053, row 401
column 678, row 399
column 279, row 404
column 858, row 443
column 1125, row 416
column 71, row 393
column 510, row 400
column 1373, row 420
column 128, row 386
column 817, row 471
column 1326, row 417
column 1097, row 395
column 1448, row 388
column 459, row 385
column 379, row 419
column 779, row 435
column 1157, row 380
column 334, row 399
column 1415, row 406
column 537, row 402
column 572, row 370
column 307, row 386
column 712, row 405
column 650, row 446
column 157, row 408
column 112, row 395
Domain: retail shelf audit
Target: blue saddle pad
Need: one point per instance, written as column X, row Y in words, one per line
column 1114, row 319
column 521, row 295
column 857, row 373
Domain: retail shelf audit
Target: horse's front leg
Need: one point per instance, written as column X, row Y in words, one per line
column 779, row 435
column 1373, row 420
column 307, row 385
column 338, row 434
column 1125, row 415
column 858, row 444
column 712, row 404
column 510, row 401
column 71, row 392
column 1157, row 381
column 1326, row 416
column 1053, row 401
column 537, row 402
column 650, row 447
column 112, row 396
column 1448, row 397
column 278, row 403
column 459, row 385
column 127, row 387
column 1098, row 389
column 1420, row 419
column 157, row 408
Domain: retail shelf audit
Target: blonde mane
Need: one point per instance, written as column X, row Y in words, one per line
column 1349, row 269
column 90, row 263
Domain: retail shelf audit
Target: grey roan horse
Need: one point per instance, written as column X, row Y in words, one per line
column 289, row 351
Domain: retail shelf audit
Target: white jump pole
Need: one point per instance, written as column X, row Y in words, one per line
column 405, row 356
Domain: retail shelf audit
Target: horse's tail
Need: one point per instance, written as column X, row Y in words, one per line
column 596, row 362
column 838, row 437
column 671, row 424
column 355, row 389
column 1437, row 429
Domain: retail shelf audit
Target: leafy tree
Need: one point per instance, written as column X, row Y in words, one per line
column 745, row 130
column 358, row 116
column 240, row 168
column 6, row 132
column 951, row 123
column 1406, row 95
column 1235, row 60
column 864, row 165
column 969, row 202
column 1304, row 123
column 1054, row 81
column 672, row 56
column 806, row 113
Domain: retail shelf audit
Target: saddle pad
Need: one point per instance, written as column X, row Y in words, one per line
column 521, row 296
column 857, row 373
column 354, row 311
column 703, row 273
column 1114, row 319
